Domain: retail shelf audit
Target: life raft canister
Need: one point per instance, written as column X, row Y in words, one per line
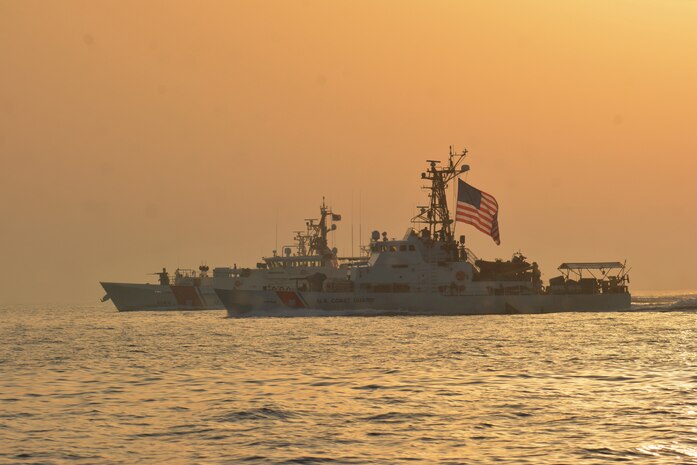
column 460, row 275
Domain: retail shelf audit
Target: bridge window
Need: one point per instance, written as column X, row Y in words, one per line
column 402, row 248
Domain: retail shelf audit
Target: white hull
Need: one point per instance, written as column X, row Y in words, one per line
column 132, row 297
column 288, row 303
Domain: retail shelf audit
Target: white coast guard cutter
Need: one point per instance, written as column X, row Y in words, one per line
column 429, row 272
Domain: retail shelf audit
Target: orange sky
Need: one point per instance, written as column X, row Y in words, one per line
column 136, row 135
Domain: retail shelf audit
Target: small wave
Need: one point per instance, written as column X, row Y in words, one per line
column 674, row 450
column 397, row 417
column 369, row 387
column 606, row 452
column 263, row 413
column 309, row 460
column 618, row 378
column 183, row 430
column 325, row 383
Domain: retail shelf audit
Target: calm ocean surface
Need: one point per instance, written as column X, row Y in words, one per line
column 86, row 384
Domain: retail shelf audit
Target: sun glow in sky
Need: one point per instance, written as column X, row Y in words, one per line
column 140, row 135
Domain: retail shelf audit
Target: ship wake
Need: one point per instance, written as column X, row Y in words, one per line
column 665, row 302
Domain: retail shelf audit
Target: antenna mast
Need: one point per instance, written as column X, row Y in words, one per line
column 318, row 230
column 436, row 215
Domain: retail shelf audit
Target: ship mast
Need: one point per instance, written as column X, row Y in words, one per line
column 436, row 216
column 317, row 231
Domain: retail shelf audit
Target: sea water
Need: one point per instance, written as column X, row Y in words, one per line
column 86, row 384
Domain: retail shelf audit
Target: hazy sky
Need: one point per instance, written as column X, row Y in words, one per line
column 137, row 135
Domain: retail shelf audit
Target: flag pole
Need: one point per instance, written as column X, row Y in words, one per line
column 454, row 200
column 352, row 253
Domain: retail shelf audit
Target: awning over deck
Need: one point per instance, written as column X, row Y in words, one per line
column 591, row 266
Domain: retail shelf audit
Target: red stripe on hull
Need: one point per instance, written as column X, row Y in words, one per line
column 187, row 296
column 290, row 299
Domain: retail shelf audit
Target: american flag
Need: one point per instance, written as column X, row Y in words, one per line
column 478, row 209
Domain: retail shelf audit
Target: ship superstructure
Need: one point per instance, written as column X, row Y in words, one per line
column 298, row 263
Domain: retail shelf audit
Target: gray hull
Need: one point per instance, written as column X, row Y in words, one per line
column 136, row 297
column 289, row 303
